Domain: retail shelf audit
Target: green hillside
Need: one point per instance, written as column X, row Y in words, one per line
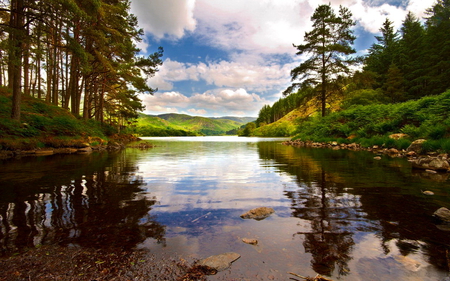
column 185, row 125
column 46, row 125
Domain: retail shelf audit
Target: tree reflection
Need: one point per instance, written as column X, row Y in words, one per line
column 330, row 242
column 345, row 192
column 82, row 200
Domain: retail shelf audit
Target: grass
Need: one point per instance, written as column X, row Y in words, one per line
column 428, row 118
column 46, row 125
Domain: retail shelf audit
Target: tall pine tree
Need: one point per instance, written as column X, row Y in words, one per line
column 329, row 45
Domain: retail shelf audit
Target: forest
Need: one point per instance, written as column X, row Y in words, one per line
column 401, row 66
column 79, row 55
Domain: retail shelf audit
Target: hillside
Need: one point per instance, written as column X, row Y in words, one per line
column 185, row 125
column 287, row 125
column 46, row 125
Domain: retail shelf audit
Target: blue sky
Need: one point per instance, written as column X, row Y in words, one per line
column 229, row 58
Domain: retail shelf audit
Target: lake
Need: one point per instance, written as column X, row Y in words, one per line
column 338, row 213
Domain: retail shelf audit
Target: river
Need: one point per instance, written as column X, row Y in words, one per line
column 341, row 214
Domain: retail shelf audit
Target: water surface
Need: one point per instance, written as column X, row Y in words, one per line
column 337, row 213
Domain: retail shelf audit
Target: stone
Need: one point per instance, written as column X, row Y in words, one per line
column 258, row 213
column 377, row 158
column 416, row 146
column 430, row 163
column 398, row 136
column 250, row 241
column 44, row 151
column 442, row 214
column 393, row 151
column 219, row 262
column 439, row 164
column 411, row 154
column 85, row 150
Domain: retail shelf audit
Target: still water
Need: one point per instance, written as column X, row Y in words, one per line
column 338, row 213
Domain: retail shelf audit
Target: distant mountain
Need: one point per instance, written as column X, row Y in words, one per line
column 173, row 124
column 243, row 120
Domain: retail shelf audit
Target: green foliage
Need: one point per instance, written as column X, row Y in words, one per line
column 44, row 124
column 372, row 124
column 364, row 97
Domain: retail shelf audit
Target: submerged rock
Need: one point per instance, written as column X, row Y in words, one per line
column 219, row 262
column 250, row 241
column 258, row 213
column 443, row 214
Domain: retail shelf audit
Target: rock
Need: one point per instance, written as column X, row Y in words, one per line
column 416, row 146
column 430, row 163
column 44, row 151
column 258, row 213
column 442, row 214
column 439, row 164
column 85, row 150
column 411, row 154
column 377, row 158
column 219, row 262
column 393, row 151
column 250, row 241
column 398, row 136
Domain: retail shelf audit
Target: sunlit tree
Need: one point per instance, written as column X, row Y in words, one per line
column 328, row 45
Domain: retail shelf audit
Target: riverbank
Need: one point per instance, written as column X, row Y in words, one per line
column 415, row 152
column 72, row 146
column 71, row 263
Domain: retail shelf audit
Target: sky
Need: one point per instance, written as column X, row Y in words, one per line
column 229, row 58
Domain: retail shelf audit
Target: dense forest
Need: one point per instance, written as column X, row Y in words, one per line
column 76, row 54
column 402, row 65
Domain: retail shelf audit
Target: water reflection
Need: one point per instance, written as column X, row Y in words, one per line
column 346, row 194
column 337, row 213
column 90, row 201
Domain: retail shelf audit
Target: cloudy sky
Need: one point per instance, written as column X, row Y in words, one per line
column 229, row 58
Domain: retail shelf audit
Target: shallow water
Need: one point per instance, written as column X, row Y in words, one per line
column 338, row 213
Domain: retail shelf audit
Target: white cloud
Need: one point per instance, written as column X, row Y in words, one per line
column 165, row 18
column 253, row 25
column 253, row 77
column 197, row 111
column 217, row 102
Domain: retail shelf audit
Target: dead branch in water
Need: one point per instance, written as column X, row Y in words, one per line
column 317, row 278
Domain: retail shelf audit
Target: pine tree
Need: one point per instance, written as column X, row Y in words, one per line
column 438, row 46
column 383, row 53
column 329, row 45
column 411, row 56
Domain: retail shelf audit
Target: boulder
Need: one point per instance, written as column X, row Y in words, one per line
column 443, row 214
column 219, row 262
column 258, row 213
column 430, row 163
column 416, row 146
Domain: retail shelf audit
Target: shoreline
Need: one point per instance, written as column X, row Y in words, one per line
column 75, row 146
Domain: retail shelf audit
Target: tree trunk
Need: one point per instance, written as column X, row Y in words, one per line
column 15, row 60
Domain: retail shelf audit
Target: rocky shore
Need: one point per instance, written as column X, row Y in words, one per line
column 77, row 146
column 433, row 161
